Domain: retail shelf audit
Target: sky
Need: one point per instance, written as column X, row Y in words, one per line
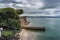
column 50, row 6
column 28, row 4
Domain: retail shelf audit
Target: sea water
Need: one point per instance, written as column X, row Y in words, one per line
column 52, row 29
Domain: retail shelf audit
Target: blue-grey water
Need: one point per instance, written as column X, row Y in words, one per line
column 52, row 29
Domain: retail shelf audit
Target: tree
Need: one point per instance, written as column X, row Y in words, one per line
column 9, row 18
column 19, row 11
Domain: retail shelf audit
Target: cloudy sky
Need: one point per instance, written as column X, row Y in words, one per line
column 29, row 4
column 32, row 5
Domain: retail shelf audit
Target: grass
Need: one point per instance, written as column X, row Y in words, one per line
column 7, row 33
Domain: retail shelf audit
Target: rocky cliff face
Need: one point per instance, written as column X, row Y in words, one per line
column 23, row 21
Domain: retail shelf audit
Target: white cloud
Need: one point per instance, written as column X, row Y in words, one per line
column 30, row 4
column 51, row 6
column 25, row 1
column 17, row 0
column 6, row 5
column 53, row 11
column 38, row 5
column 19, row 5
column 26, row 4
column 23, row 5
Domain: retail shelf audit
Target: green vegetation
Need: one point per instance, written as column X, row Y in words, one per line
column 19, row 11
column 7, row 33
column 9, row 18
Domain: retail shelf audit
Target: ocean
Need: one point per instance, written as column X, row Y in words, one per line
column 52, row 29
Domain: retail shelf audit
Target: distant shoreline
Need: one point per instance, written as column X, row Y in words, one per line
column 43, row 16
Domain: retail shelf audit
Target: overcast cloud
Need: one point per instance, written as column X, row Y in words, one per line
column 32, row 5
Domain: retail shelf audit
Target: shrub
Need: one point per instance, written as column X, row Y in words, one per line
column 7, row 33
column 9, row 18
